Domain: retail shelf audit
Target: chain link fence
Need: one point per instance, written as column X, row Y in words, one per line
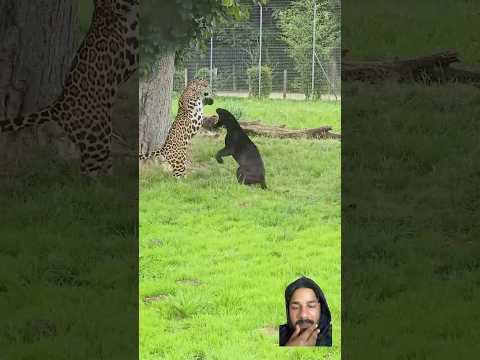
column 260, row 56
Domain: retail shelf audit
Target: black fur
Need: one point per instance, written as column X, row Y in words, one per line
column 237, row 143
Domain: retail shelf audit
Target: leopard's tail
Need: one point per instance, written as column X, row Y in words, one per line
column 32, row 119
column 150, row 155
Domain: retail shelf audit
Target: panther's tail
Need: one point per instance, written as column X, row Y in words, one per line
column 23, row 121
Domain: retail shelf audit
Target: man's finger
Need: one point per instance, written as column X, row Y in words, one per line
column 313, row 336
column 296, row 332
column 308, row 331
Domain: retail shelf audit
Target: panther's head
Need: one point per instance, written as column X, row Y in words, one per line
column 197, row 89
column 225, row 118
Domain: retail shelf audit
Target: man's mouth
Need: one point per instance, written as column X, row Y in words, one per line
column 304, row 323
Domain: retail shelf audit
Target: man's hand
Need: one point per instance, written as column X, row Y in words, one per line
column 308, row 337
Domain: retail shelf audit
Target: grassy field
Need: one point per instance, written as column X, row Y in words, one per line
column 410, row 188
column 215, row 256
column 411, row 221
column 411, row 28
column 67, row 264
column 293, row 113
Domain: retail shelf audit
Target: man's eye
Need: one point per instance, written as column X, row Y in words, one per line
column 312, row 306
column 294, row 307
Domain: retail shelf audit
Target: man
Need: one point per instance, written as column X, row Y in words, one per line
column 308, row 316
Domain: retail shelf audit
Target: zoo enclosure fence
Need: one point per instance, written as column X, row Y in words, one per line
column 251, row 58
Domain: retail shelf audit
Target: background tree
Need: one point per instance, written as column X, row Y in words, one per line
column 296, row 23
column 37, row 43
column 168, row 27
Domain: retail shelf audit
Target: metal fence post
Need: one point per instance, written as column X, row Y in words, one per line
column 186, row 77
column 285, row 83
column 260, row 53
column 313, row 47
column 211, row 62
column 234, row 77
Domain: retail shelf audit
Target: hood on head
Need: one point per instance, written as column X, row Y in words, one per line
column 325, row 316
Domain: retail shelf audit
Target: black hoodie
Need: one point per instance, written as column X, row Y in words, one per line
column 325, row 336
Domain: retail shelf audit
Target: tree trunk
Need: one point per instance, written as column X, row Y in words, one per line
column 155, row 103
column 37, row 43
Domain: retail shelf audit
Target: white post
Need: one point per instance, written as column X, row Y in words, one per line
column 260, row 53
column 313, row 45
column 211, row 62
column 186, row 77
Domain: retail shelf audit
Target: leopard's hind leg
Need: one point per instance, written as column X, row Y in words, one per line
column 95, row 148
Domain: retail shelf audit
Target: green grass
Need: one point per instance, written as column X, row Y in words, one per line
column 410, row 244
column 62, row 239
column 387, row 28
column 218, row 255
column 292, row 113
column 410, row 185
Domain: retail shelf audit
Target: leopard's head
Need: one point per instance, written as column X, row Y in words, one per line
column 124, row 8
column 197, row 89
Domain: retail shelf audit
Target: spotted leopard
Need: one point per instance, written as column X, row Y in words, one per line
column 188, row 121
column 107, row 57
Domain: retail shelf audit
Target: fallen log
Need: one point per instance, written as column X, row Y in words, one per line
column 437, row 68
column 278, row 131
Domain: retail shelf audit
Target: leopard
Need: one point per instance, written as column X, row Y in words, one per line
column 106, row 58
column 186, row 125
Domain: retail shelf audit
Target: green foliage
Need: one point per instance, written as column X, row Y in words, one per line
column 266, row 82
column 203, row 73
column 296, row 24
column 179, row 80
column 174, row 24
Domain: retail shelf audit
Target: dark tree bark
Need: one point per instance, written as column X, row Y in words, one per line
column 436, row 68
column 155, row 103
column 37, row 42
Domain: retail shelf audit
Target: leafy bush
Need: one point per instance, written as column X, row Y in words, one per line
column 203, row 73
column 266, row 86
column 179, row 81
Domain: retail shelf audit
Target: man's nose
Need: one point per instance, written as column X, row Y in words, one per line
column 305, row 311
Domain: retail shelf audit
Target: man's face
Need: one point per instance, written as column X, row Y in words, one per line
column 304, row 308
